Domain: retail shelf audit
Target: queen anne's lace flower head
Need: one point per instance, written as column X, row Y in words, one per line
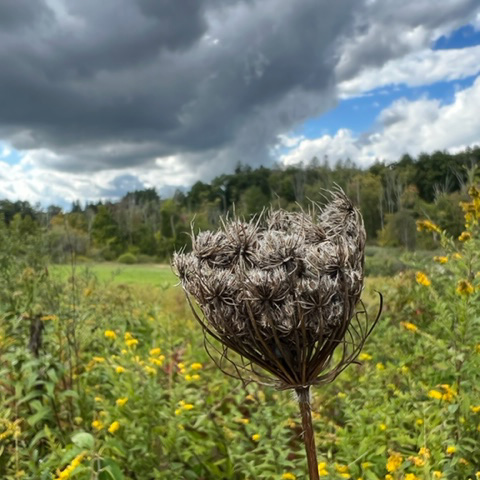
column 281, row 289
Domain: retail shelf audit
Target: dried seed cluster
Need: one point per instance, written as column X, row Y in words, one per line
column 280, row 289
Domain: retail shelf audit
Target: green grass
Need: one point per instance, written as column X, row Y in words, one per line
column 148, row 274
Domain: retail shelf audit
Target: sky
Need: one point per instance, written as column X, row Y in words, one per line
column 101, row 98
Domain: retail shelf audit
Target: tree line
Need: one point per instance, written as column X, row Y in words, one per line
column 142, row 226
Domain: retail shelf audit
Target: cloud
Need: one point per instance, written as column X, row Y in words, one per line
column 93, row 91
column 423, row 125
column 419, row 68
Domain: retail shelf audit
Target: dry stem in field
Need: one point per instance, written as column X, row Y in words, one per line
column 281, row 291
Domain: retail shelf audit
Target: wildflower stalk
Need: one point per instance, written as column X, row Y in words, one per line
column 303, row 395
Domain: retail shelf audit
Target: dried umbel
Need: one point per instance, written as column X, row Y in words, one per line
column 281, row 291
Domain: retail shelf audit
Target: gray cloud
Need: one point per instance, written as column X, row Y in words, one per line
column 120, row 83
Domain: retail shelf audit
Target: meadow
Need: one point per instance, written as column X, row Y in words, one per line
column 104, row 375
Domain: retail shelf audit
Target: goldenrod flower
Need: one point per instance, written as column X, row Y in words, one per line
column 435, row 394
column 341, row 468
column 394, row 461
column 288, row 476
column 465, row 236
column 197, row 366
column 427, row 225
column 464, row 287
column 451, row 449
column 422, row 279
column 244, row 421
column 256, row 437
column 121, row 401
column 97, row 424
column 409, row 326
column 441, row 260
column 364, row 356
column 68, row 470
column 155, row 351
column 114, row 427
column 110, row 334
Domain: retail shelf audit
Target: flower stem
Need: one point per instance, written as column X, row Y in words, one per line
column 303, row 395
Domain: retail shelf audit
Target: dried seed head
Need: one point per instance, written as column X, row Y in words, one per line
column 281, row 290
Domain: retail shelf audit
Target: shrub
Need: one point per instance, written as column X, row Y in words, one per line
column 127, row 258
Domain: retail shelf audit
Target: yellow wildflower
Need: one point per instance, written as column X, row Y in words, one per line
column 380, row 366
column 394, row 461
column 457, row 256
column 364, row 356
column 477, row 475
column 475, row 408
column 411, row 476
column 288, row 476
column 409, row 326
column 366, row 465
column 417, row 461
column 68, row 470
column 427, row 225
column 180, row 366
column 187, row 406
column 437, row 474
column 154, row 352
column 382, row 427
column 422, row 279
column 464, row 287
column 196, row 366
column 121, row 401
column 250, row 397
column 419, row 421
column 97, row 424
column 404, row 369
column 322, row 472
column 451, row 449
column 435, row 394
column 188, row 378
column 244, row 421
column 341, row 468
column 98, row 359
column 178, row 411
column 425, row 452
column 388, row 477
column 464, row 461
column 341, row 395
column 150, row 370
column 119, row 369
column 114, row 427
column 465, row 236
column 131, row 342
column 345, row 475
column 127, row 336
column 156, row 361
column 195, row 377
column 98, row 399
column 256, row 437
column 110, row 334
column 441, row 260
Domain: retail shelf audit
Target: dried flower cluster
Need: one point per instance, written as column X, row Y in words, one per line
column 281, row 290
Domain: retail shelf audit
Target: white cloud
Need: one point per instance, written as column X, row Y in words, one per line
column 419, row 68
column 423, row 125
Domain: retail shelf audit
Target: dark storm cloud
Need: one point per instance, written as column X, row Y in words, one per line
column 119, row 83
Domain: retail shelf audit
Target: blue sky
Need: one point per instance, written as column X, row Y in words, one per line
column 87, row 117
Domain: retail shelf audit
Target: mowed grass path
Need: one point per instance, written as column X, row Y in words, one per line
column 148, row 274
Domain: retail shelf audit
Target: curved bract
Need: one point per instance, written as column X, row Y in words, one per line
column 281, row 290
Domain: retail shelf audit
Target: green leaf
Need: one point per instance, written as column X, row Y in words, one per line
column 83, row 440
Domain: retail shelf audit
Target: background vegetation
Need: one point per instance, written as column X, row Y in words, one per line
column 142, row 227
column 103, row 374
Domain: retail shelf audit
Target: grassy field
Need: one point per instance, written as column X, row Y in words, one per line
column 145, row 274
